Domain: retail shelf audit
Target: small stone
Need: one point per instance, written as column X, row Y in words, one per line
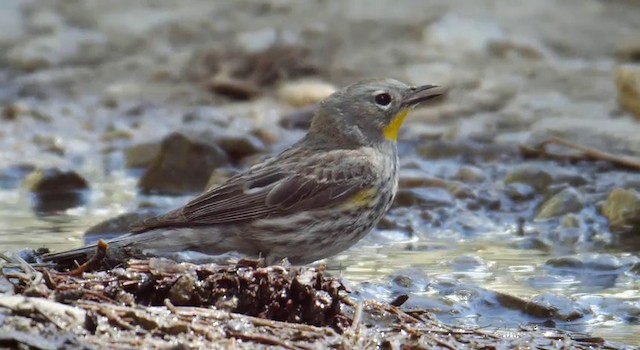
column 410, row 178
column 266, row 135
column 566, row 201
column 182, row 290
column 629, row 48
column 116, row 226
column 240, row 146
column 182, row 166
column 207, row 114
column 489, row 199
column 299, row 118
column 530, row 175
column 56, row 190
column 622, row 209
column 305, row 92
column 571, row 221
column 460, row 190
column 235, row 89
column 520, row 192
column 440, row 149
column 15, row 110
column 628, row 84
column 426, row 198
column 219, row 176
column 54, row 180
column 141, row 155
column 470, row 174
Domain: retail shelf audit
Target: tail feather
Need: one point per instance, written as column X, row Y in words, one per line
column 68, row 256
column 82, row 254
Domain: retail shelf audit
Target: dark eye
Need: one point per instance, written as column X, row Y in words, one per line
column 383, row 99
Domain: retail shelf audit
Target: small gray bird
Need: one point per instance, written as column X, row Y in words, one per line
column 317, row 198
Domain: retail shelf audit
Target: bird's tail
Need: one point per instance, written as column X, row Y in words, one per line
column 81, row 255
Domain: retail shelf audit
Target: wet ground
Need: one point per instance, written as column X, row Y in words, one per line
column 84, row 84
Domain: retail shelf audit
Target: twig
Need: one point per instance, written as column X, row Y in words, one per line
column 101, row 253
column 587, row 153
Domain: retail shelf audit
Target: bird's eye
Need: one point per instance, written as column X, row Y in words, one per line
column 383, row 99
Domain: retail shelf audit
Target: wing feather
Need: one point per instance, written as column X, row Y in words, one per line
column 272, row 191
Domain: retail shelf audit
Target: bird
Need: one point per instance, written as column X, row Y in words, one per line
column 315, row 199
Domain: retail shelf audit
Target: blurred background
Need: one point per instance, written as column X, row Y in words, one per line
column 112, row 110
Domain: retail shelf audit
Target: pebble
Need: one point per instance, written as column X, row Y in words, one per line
column 305, row 92
column 566, row 201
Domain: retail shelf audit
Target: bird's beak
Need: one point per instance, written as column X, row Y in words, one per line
column 422, row 93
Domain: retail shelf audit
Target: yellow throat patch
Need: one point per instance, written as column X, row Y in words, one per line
column 392, row 130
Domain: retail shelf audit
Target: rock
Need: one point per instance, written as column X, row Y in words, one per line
column 182, row 290
column 219, row 176
column 460, row 190
column 571, row 221
column 520, row 192
column 440, row 149
column 530, row 175
column 305, row 93
column 266, row 135
column 299, row 118
column 182, row 166
column 622, row 209
column 426, row 198
column 629, row 48
column 54, row 180
column 566, row 201
column 543, row 306
column 232, row 88
column 240, row 146
column 207, row 114
column 410, row 178
column 141, row 156
column 628, row 84
column 56, row 190
column 470, row 174
column 12, row 111
column 116, row 226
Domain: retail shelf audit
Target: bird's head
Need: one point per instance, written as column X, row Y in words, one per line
column 371, row 111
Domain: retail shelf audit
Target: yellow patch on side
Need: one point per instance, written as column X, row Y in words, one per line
column 361, row 199
column 392, row 130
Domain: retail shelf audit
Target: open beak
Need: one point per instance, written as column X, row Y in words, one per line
column 422, row 93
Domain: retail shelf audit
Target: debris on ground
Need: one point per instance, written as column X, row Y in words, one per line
column 160, row 303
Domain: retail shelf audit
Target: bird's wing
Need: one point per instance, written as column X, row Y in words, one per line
column 278, row 188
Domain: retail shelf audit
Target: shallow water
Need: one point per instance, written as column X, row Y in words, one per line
column 449, row 271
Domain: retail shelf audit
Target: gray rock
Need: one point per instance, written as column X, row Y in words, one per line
column 116, row 226
column 520, row 191
column 628, row 83
column 56, row 190
column 566, row 201
column 427, row 198
column 240, row 146
column 530, row 175
column 141, row 155
column 470, row 174
column 182, row 166
column 54, row 180
column 622, row 209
